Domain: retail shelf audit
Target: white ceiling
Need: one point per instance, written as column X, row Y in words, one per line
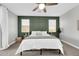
column 25, row 9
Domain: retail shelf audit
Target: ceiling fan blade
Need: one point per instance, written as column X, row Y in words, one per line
column 45, row 10
column 50, row 4
column 35, row 8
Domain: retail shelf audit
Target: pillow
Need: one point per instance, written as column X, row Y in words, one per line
column 44, row 32
column 38, row 33
column 35, row 33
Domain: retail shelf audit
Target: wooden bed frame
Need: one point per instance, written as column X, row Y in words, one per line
column 21, row 53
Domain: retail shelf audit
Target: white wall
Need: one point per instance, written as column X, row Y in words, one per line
column 68, row 23
column 12, row 27
column 9, row 27
column 0, row 29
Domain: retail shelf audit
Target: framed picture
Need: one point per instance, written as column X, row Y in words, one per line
column 78, row 24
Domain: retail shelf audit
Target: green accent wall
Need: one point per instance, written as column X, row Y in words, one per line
column 38, row 23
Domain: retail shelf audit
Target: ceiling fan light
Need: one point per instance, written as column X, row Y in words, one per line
column 41, row 6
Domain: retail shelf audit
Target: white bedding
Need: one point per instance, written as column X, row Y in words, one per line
column 40, row 42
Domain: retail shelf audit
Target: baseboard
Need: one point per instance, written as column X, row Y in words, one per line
column 70, row 44
column 8, row 45
column 11, row 43
column 1, row 48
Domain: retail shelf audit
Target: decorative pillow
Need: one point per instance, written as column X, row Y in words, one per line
column 33, row 32
column 44, row 32
column 39, row 33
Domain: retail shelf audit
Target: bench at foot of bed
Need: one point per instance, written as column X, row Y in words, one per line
column 41, row 50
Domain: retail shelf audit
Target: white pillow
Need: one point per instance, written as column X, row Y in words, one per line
column 38, row 33
column 33, row 32
column 44, row 32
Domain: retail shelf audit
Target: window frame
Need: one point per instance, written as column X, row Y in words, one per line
column 52, row 25
column 25, row 25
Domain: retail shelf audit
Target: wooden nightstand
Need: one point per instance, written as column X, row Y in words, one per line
column 18, row 39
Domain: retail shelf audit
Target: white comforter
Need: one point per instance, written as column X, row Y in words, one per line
column 28, row 44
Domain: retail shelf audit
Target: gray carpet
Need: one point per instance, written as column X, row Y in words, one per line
column 68, row 50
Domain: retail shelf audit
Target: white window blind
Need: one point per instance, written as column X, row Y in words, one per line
column 25, row 25
column 52, row 25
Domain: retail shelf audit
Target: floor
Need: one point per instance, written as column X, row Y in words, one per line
column 68, row 51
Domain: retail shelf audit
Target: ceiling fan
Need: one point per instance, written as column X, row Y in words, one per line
column 42, row 6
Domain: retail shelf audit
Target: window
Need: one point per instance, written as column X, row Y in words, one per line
column 25, row 25
column 52, row 25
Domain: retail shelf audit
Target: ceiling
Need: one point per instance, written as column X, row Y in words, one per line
column 25, row 9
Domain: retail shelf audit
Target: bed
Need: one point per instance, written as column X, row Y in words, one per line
column 40, row 40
